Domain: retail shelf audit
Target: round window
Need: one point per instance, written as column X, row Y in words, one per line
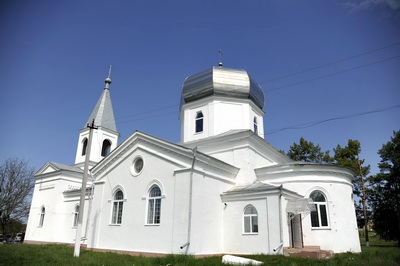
column 137, row 166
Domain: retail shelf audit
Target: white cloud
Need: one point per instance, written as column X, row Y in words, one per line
column 365, row 4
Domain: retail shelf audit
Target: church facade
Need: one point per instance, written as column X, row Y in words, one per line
column 222, row 189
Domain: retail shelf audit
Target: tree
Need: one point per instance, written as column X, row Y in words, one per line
column 349, row 156
column 16, row 184
column 385, row 196
column 306, row 151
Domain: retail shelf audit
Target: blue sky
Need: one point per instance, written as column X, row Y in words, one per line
column 55, row 55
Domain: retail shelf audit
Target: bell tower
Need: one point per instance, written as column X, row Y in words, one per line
column 105, row 136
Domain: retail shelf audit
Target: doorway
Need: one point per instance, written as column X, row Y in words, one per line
column 296, row 233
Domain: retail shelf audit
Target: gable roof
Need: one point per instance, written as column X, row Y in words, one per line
column 50, row 167
column 215, row 143
column 185, row 154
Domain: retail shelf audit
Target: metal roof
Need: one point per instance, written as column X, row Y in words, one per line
column 222, row 81
column 102, row 113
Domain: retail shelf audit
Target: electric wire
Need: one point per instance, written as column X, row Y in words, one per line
column 265, row 90
column 310, row 124
column 331, row 63
column 332, row 74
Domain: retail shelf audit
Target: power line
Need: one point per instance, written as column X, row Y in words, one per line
column 281, row 87
column 147, row 117
column 269, row 90
column 148, row 112
column 310, row 124
column 333, row 74
column 331, row 63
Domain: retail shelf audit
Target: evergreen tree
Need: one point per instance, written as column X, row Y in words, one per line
column 385, row 196
column 349, row 156
column 306, row 151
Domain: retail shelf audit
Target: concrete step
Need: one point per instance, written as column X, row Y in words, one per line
column 308, row 252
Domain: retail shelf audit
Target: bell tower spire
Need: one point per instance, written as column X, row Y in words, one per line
column 105, row 137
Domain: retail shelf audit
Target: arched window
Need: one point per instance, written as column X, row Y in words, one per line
column 76, row 216
column 154, row 205
column 199, row 122
column 105, row 150
column 255, row 124
column 250, row 220
column 117, row 207
column 84, row 147
column 319, row 217
column 41, row 218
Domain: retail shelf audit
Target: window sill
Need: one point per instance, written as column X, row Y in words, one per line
column 320, row 228
column 152, row 225
column 114, row 224
column 251, row 234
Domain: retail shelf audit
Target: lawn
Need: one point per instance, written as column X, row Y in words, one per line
column 24, row 254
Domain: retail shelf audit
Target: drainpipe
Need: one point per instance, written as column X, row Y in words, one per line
column 280, row 219
column 187, row 244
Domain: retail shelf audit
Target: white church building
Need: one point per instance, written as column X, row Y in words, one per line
column 222, row 190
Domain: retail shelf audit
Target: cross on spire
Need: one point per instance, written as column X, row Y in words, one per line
column 108, row 79
column 109, row 71
column 220, row 57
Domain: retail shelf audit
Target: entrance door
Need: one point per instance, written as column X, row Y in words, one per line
column 296, row 232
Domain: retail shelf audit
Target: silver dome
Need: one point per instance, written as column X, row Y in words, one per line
column 222, row 81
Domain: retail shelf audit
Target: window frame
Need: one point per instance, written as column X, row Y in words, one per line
column 84, row 146
column 75, row 220
column 255, row 125
column 117, row 208
column 319, row 219
column 41, row 216
column 252, row 221
column 153, row 210
column 199, row 122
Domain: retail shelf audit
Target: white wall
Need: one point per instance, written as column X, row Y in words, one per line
column 342, row 233
column 58, row 221
column 220, row 115
column 99, row 135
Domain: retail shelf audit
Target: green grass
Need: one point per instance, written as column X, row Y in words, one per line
column 374, row 240
column 24, row 254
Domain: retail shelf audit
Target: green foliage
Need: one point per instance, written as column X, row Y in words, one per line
column 385, row 195
column 306, row 151
column 349, row 156
column 23, row 254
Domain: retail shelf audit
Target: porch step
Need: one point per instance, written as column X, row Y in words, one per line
column 314, row 252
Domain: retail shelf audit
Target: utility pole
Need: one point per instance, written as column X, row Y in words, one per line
column 364, row 202
column 78, row 236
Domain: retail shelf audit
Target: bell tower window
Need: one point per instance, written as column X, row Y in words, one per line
column 199, row 122
column 105, row 150
column 84, row 147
